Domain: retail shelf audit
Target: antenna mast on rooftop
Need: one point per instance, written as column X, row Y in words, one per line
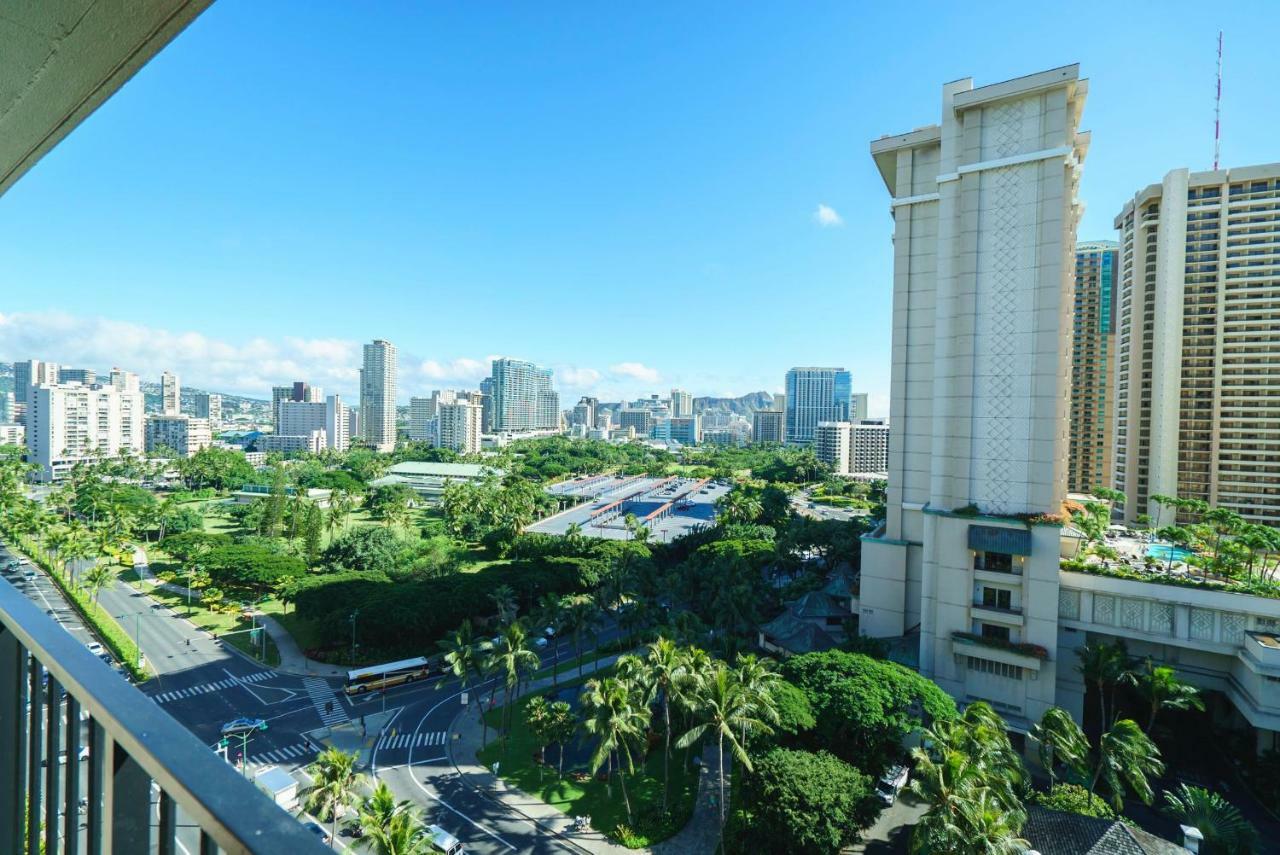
column 1217, row 110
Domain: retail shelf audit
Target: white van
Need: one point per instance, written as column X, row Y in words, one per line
column 444, row 841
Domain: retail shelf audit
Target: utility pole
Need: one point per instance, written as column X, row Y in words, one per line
column 354, row 614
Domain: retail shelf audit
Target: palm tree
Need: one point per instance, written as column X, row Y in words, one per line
column 504, row 599
column 955, row 786
column 667, row 669
column 335, row 783
column 513, row 656
column 461, row 655
column 549, row 613
column 1224, row 828
column 380, row 807
column 1161, row 689
column 757, row 680
column 1126, row 758
column 1060, row 740
column 725, row 710
column 95, row 579
column 404, row 834
column 612, row 716
column 1105, row 666
column 578, row 617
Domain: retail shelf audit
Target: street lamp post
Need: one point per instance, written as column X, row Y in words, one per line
column 354, row 614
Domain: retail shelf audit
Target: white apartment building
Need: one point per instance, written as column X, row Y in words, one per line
column 1197, row 395
column 425, row 412
column 182, row 434
column 12, row 434
column 378, row 395
column 681, row 404
column 869, row 448
column 858, row 407
column 831, row 445
column 313, row 442
column 460, row 427
column 209, row 406
column 304, row 418
column 125, row 381
column 32, row 372
column 70, row 423
column 170, row 394
column 984, row 228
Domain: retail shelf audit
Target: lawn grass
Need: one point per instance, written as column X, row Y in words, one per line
column 602, row 802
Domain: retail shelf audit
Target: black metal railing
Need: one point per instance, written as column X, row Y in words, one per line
column 148, row 783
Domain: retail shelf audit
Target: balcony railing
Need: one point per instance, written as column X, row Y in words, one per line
column 134, row 749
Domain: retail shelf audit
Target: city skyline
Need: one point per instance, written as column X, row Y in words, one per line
column 264, row 235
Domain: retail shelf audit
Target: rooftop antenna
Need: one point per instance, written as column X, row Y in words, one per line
column 1217, row 110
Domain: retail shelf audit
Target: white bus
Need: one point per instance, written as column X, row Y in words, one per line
column 376, row 677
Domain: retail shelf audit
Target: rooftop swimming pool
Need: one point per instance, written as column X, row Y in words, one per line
column 1165, row 552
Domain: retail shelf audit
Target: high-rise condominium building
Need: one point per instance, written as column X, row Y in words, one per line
column 170, row 394
column 869, row 448
column 183, row 435
column 831, row 445
column 523, row 399
column 639, row 419
column 209, row 406
column 858, row 407
column 1092, row 366
column 681, row 404
column 298, row 390
column 7, row 408
column 12, row 434
column 71, row 423
column 303, row 418
column 686, row 430
column 584, row 412
column 984, row 230
column 378, row 395
column 816, row 395
column 87, row 376
column 768, row 427
column 460, row 427
column 1198, row 343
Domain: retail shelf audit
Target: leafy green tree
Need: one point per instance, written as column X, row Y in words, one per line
column 367, row 548
column 390, row 502
column 1225, row 830
column 864, row 707
column 807, row 802
column 250, row 567
column 334, row 785
column 312, row 531
column 1073, row 798
column 219, row 468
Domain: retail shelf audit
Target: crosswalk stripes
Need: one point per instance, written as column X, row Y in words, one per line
column 289, row 752
column 203, row 688
column 411, row 740
column 321, row 693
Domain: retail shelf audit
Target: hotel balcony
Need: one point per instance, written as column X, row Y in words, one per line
column 147, row 784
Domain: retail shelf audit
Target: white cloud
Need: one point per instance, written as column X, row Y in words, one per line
column 827, row 217
column 249, row 367
column 635, row 371
column 577, row 378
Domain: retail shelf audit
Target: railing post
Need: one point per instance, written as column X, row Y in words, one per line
column 53, row 769
column 168, row 825
column 130, row 812
column 99, row 835
column 13, row 733
column 71, row 800
column 34, row 745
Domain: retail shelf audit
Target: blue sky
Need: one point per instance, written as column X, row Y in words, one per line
column 625, row 192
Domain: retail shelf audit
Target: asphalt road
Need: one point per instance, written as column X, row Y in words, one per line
column 202, row 684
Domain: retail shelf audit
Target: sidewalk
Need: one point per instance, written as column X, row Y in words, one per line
column 699, row 837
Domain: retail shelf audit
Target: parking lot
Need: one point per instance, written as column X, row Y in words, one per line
column 668, row 507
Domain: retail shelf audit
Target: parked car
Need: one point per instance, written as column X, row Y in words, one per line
column 95, row 648
column 539, row 642
column 243, row 725
column 891, row 783
column 443, row 840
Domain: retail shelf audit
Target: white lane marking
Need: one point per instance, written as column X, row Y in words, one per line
column 245, row 687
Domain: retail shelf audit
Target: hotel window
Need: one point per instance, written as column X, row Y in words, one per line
column 997, row 598
column 999, row 633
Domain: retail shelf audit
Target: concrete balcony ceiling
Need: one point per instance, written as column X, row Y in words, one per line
column 61, row 59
